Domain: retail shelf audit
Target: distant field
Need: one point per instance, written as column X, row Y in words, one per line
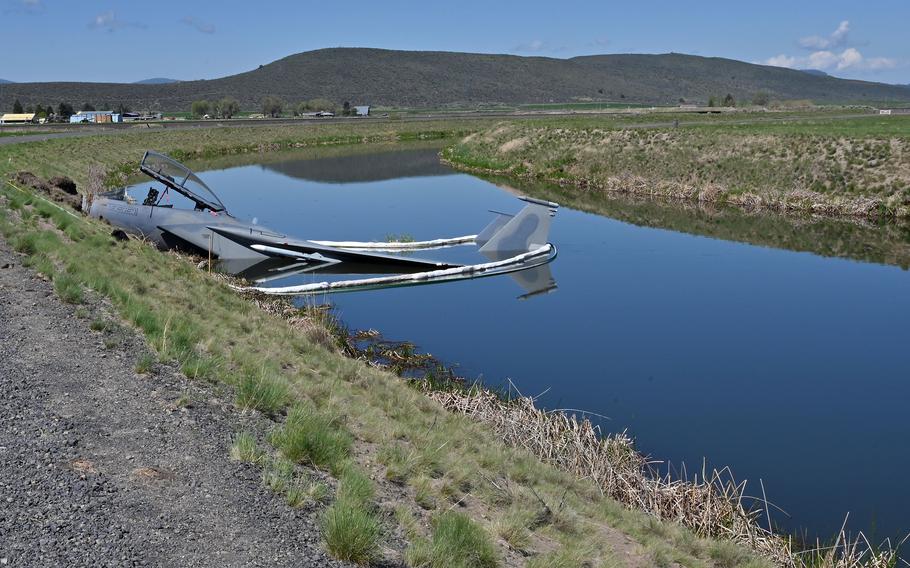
column 818, row 163
column 582, row 106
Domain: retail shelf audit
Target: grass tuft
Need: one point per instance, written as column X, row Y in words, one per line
column 351, row 533
column 145, row 364
column 311, row 436
column 278, row 475
column 266, row 394
column 68, row 288
column 245, row 449
column 457, row 542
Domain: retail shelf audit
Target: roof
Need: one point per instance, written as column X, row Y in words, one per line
column 18, row 116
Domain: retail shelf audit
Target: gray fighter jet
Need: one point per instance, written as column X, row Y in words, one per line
column 512, row 243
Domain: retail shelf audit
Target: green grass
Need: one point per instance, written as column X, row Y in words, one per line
column 305, row 493
column 278, row 475
column 352, row 529
column 456, row 542
column 351, row 533
column 68, row 288
column 245, row 449
column 265, row 393
column 313, row 437
column 336, row 404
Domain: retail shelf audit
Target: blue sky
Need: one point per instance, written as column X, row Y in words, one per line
column 121, row 40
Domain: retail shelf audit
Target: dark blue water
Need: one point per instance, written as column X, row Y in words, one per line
column 790, row 367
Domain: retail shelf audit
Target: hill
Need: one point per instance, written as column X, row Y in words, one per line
column 156, row 81
column 425, row 78
column 5, row 82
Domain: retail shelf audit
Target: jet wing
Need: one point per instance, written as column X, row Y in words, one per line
column 303, row 250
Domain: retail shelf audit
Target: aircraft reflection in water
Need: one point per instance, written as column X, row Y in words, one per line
column 512, row 244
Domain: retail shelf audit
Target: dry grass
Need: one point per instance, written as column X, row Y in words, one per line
column 711, row 505
column 863, row 173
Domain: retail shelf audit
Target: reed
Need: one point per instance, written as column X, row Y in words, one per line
column 712, row 504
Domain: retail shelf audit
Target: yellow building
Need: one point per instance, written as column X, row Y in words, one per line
column 24, row 118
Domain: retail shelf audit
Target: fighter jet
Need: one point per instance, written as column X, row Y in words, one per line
column 512, row 243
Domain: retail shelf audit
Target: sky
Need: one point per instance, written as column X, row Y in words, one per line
column 125, row 41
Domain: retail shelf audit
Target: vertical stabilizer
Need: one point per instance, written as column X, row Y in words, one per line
column 528, row 230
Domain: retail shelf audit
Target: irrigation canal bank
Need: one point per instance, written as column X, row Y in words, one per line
column 102, row 466
column 769, row 360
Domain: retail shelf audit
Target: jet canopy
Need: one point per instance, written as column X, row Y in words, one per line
column 181, row 179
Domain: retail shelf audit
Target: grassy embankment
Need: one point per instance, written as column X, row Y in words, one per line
column 407, row 470
column 857, row 167
column 852, row 238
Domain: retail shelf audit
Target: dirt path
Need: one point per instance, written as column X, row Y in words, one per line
column 101, row 466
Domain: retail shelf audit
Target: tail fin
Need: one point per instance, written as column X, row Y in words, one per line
column 510, row 235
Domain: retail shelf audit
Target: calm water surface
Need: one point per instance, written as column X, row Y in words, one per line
column 788, row 366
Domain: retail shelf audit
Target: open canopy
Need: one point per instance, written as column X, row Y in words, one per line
column 181, row 179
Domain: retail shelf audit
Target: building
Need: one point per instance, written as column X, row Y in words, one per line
column 890, row 111
column 22, row 118
column 95, row 116
column 362, row 110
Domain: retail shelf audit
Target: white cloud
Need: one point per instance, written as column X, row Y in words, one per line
column 849, row 58
column 202, row 27
column 832, row 53
column 110, row 22
column 838, row 38
column 781, row 61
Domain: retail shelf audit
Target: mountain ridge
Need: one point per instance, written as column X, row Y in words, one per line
column 156, row 81
column 439, row 78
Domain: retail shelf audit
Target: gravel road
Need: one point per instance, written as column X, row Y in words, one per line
column 101, row 466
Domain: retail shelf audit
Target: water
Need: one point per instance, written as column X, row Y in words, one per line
column 789, row 366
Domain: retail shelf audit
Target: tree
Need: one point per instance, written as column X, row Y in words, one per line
column 317, row 105
column 226, row 107
column 49, row 110
column 30, row 109
column 17, row 107
column 346, row 108
column 65, row 110
column 272, row 106
column 87, row 108
column 712, row 102
column 761, row 98
column 200, row 108
column 122, row 109
column 729, row 101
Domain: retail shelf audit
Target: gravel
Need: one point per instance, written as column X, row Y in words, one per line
column 100, row 466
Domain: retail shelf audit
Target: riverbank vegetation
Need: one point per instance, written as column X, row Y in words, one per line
column 853, row 238
column 857, row 167
column 411, row 479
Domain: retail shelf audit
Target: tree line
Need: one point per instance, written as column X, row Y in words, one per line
column 63, row 111
column 760, row 98
column 271, row 106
